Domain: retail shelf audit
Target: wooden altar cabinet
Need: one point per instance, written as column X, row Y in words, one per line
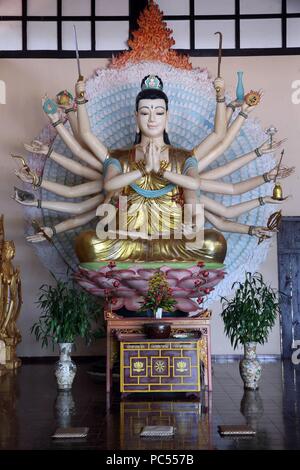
column 118, row 326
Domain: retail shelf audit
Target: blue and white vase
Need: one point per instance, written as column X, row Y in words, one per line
column 65, row 368
column 250, row 367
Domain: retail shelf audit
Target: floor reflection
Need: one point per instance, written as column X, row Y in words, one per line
column 189, row 418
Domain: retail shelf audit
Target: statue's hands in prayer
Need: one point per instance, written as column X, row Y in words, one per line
column 219, row 86
column 283, row 172
column 37, row 147
column 40, row 236
column 152, row 157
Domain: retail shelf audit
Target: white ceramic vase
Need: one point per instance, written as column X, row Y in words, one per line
column 65, row 368
column 158, row 313
column 250, row 367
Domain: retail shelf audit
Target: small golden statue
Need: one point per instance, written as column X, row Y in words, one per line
column 10, row 303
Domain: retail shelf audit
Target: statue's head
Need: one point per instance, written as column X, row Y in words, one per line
column 8, row 251
column 152, row 109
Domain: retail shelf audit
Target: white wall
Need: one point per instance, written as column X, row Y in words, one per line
column 22, row 119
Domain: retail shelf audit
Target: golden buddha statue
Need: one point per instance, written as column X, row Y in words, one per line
column 10, row 302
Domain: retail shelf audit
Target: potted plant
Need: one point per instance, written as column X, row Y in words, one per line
column 157, row 299
column 67, row 313
column 248, row 319
column 159, row 296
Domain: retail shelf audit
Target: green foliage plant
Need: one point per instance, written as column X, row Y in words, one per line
column 250, row 315
column 67, row 312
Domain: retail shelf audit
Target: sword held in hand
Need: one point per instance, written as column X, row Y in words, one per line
column 80, row 76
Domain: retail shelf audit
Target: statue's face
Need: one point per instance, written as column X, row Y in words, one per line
column 152, row 117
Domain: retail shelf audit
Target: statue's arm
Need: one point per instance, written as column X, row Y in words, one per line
column 84, row 128
column 188, row 179
column 231, row 133
column 79, row 190
column 220, row 123
column 71, row 165
column 219, row 187
column 115, row 179
column 75, row 167
column 72, row 143
column 235, row 227
column 229, row 168
column 27, row 199
column 237, row 209
column 64, row 226
column 239, row 162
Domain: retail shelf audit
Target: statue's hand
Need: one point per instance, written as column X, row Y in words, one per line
column 219, row 86
column 25, row 175
column 246, row 108
column 156, row 151
column 267, row 148
column 52, row 116
column 263, row 232
column 80, row 89
column 148, row 154
column 40, row 236
column 283, row 172
column 270, row 200
column 24, row 197
column 37, row 147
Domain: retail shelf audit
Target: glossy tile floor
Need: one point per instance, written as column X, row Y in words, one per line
column 31, row 409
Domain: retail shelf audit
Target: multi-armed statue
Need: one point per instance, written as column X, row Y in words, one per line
column 149, row 199
column 156, row 178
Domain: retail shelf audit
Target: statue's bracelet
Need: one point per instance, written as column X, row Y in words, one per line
column 54, row 231
column 266, row 178
column 244, row 115
column 231, row 105
column 49, row 151
column 261, row 201
column 250, row 230
column 220, row 100
column 81, row 101
column 69, row 110
column 258, row 152
column 54, row 124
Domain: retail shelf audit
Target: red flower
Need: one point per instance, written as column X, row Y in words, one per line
column 205, row 273
column 114, row 300
column 116, row 283
column 200, row 264
column 112, row 264
column 207, row 290
column 200, row 300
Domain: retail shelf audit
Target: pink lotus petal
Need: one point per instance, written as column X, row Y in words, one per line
column 119, row 303
column 178, row 274
column 134, row 303
column 186, row 305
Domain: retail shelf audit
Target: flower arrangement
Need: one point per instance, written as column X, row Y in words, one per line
column 159, row 294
